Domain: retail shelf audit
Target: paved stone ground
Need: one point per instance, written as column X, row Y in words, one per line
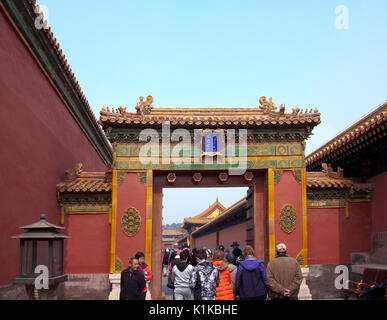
column 168, row 293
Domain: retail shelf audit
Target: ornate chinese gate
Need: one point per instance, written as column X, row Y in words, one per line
column 261, row 148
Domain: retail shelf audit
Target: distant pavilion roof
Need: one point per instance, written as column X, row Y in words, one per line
column 168, row 232
column 229, row 211
column 205, row 216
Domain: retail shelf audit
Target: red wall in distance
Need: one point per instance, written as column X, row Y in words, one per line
column 379, row 203
column 234, row 233
column 40, row 140
column 206, row 241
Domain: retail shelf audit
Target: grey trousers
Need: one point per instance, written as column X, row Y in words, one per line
column 182, row 293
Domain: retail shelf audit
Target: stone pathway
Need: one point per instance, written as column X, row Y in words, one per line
column 168, row 293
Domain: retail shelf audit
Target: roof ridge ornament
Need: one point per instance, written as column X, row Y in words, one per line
column 328, row 170
column 267, row 106
column 144, row 107
column 73, row 173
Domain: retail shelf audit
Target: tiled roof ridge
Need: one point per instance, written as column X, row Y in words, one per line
column 62, row 58
column 327, row 178
column 266, row 113
column 77, row 180
column 360, row 127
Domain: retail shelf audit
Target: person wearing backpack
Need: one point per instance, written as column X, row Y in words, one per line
column 250, row 283
column 205, row 278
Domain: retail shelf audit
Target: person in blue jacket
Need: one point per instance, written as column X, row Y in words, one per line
column 250, row 282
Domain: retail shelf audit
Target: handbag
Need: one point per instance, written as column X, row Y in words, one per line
column 170, row 283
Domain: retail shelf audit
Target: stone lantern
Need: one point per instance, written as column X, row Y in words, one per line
column 41, row 259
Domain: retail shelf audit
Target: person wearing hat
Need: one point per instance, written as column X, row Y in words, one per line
column 236, row 252
column 284, row 276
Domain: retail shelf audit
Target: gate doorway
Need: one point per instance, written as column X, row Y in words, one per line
column 256, row 218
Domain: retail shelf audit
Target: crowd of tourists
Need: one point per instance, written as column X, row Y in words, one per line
column 200, row 274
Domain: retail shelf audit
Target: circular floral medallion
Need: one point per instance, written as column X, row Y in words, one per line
column 131, row 222
column 288, row 218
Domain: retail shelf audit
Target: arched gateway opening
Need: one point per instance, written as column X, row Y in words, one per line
column 261, row 148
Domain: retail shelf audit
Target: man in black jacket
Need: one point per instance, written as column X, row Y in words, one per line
column 132, row 281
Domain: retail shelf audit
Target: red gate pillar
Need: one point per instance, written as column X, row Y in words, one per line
column 287, row 212
column 129, row 218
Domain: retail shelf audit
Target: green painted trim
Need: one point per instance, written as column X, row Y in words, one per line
column 69, row 209
column 251, row 164
column 133, row 150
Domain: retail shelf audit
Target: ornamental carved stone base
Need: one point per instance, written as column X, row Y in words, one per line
column 304, row 293
column 115, row 281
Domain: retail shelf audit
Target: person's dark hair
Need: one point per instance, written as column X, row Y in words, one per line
column 131, row 260
column 201, row 254
column 183, row 255
column 139, row 255
column 221, row 248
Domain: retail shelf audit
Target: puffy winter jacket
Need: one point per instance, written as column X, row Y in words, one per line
column 147, row 274
column 224, row 290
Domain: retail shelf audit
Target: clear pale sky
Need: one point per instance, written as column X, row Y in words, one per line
column 227, row 54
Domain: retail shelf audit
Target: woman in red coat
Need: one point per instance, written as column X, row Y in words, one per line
column 146, row 271
column 224, row 290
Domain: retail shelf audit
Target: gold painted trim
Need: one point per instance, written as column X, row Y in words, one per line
column 61, row 215
column 148, row 230
column 113, row 224
column 270, row 177
column 304, row 218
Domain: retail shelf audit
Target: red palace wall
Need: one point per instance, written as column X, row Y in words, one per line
column 89, row 249
column 234, row 233
column 332, row 237
column 206, row 241
column 225, row 237
column 355, row 231
column 323, row 235
column 379, row 203
column 40, row 140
